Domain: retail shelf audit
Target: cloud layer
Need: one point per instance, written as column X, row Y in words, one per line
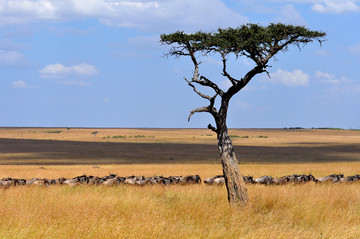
column 293, row 78
column 59, row 70
column 319, row 6
column 185, row 14
column 336, row 6
column 19, row 84
column 11, row 58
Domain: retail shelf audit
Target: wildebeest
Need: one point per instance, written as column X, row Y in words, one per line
column 350, row 179
column 281, row 181
column 210, row 181
column 71, row 182
column 331, row 178
column 60, row 180
column 248, row 179
column 110, row 182
column 7, row 182
column 131, row 180
column 264, row 180
column 190, row 179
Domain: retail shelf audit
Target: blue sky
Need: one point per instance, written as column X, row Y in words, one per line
column 99, row 63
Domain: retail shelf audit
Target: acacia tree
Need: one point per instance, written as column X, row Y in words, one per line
column 253, row 41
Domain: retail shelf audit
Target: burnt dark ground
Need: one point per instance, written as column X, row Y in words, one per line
column 28, row 151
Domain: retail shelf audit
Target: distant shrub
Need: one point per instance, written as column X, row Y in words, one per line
column 329, row 128
column 237, row 136
column 119, row 137
column 130, row 136
column 139, row 136
column 53, row 131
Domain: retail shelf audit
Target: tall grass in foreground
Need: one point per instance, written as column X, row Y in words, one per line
column 197, row 211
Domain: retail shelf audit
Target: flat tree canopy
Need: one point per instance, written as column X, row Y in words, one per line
column 253, row 41
column 256, row 42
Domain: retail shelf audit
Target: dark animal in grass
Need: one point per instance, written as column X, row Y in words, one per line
column 264, row 180
column 331, row 178
column 248, row 179
column 190, row 179
column 281, row 181
column 210, row 181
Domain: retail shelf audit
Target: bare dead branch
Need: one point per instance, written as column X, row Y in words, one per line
column 206, row 82
column 225, row 73
column 203, row 80
column 207, row 109
column 198, row 92
column 212, row 128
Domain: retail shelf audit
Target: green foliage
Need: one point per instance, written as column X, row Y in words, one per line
column 251, row 40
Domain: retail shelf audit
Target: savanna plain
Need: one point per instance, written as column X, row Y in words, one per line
column 310, row 210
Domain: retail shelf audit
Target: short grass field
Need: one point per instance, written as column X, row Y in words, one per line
column 194, row 211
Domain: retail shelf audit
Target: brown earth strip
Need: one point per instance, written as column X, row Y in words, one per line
column 47, row 152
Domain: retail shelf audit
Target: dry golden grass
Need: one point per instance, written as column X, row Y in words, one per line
column 198, row 211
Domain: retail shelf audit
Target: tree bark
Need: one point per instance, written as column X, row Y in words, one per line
column 235, row 185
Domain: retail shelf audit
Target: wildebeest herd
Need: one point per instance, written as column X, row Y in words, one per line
column 295, row 178
column 113, row 180
column 109, row 180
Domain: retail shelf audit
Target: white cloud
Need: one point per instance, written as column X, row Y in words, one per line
column 9, row 45
column 59, row 70
column 11, row 58
column 182, row 14
column 320, row 6
column 294, row 78
column 339, row 85
column 290, row 15
column 336, row 6
column 19, row 84
column 330, row 78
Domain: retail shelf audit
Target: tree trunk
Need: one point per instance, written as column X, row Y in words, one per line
column 235, row 185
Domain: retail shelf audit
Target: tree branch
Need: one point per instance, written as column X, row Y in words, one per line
column 198, row 92
column 212, row 128
column 203, row 80
column 208, row 109
column 225, row 73
column 206, row 82
column 244, row 81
